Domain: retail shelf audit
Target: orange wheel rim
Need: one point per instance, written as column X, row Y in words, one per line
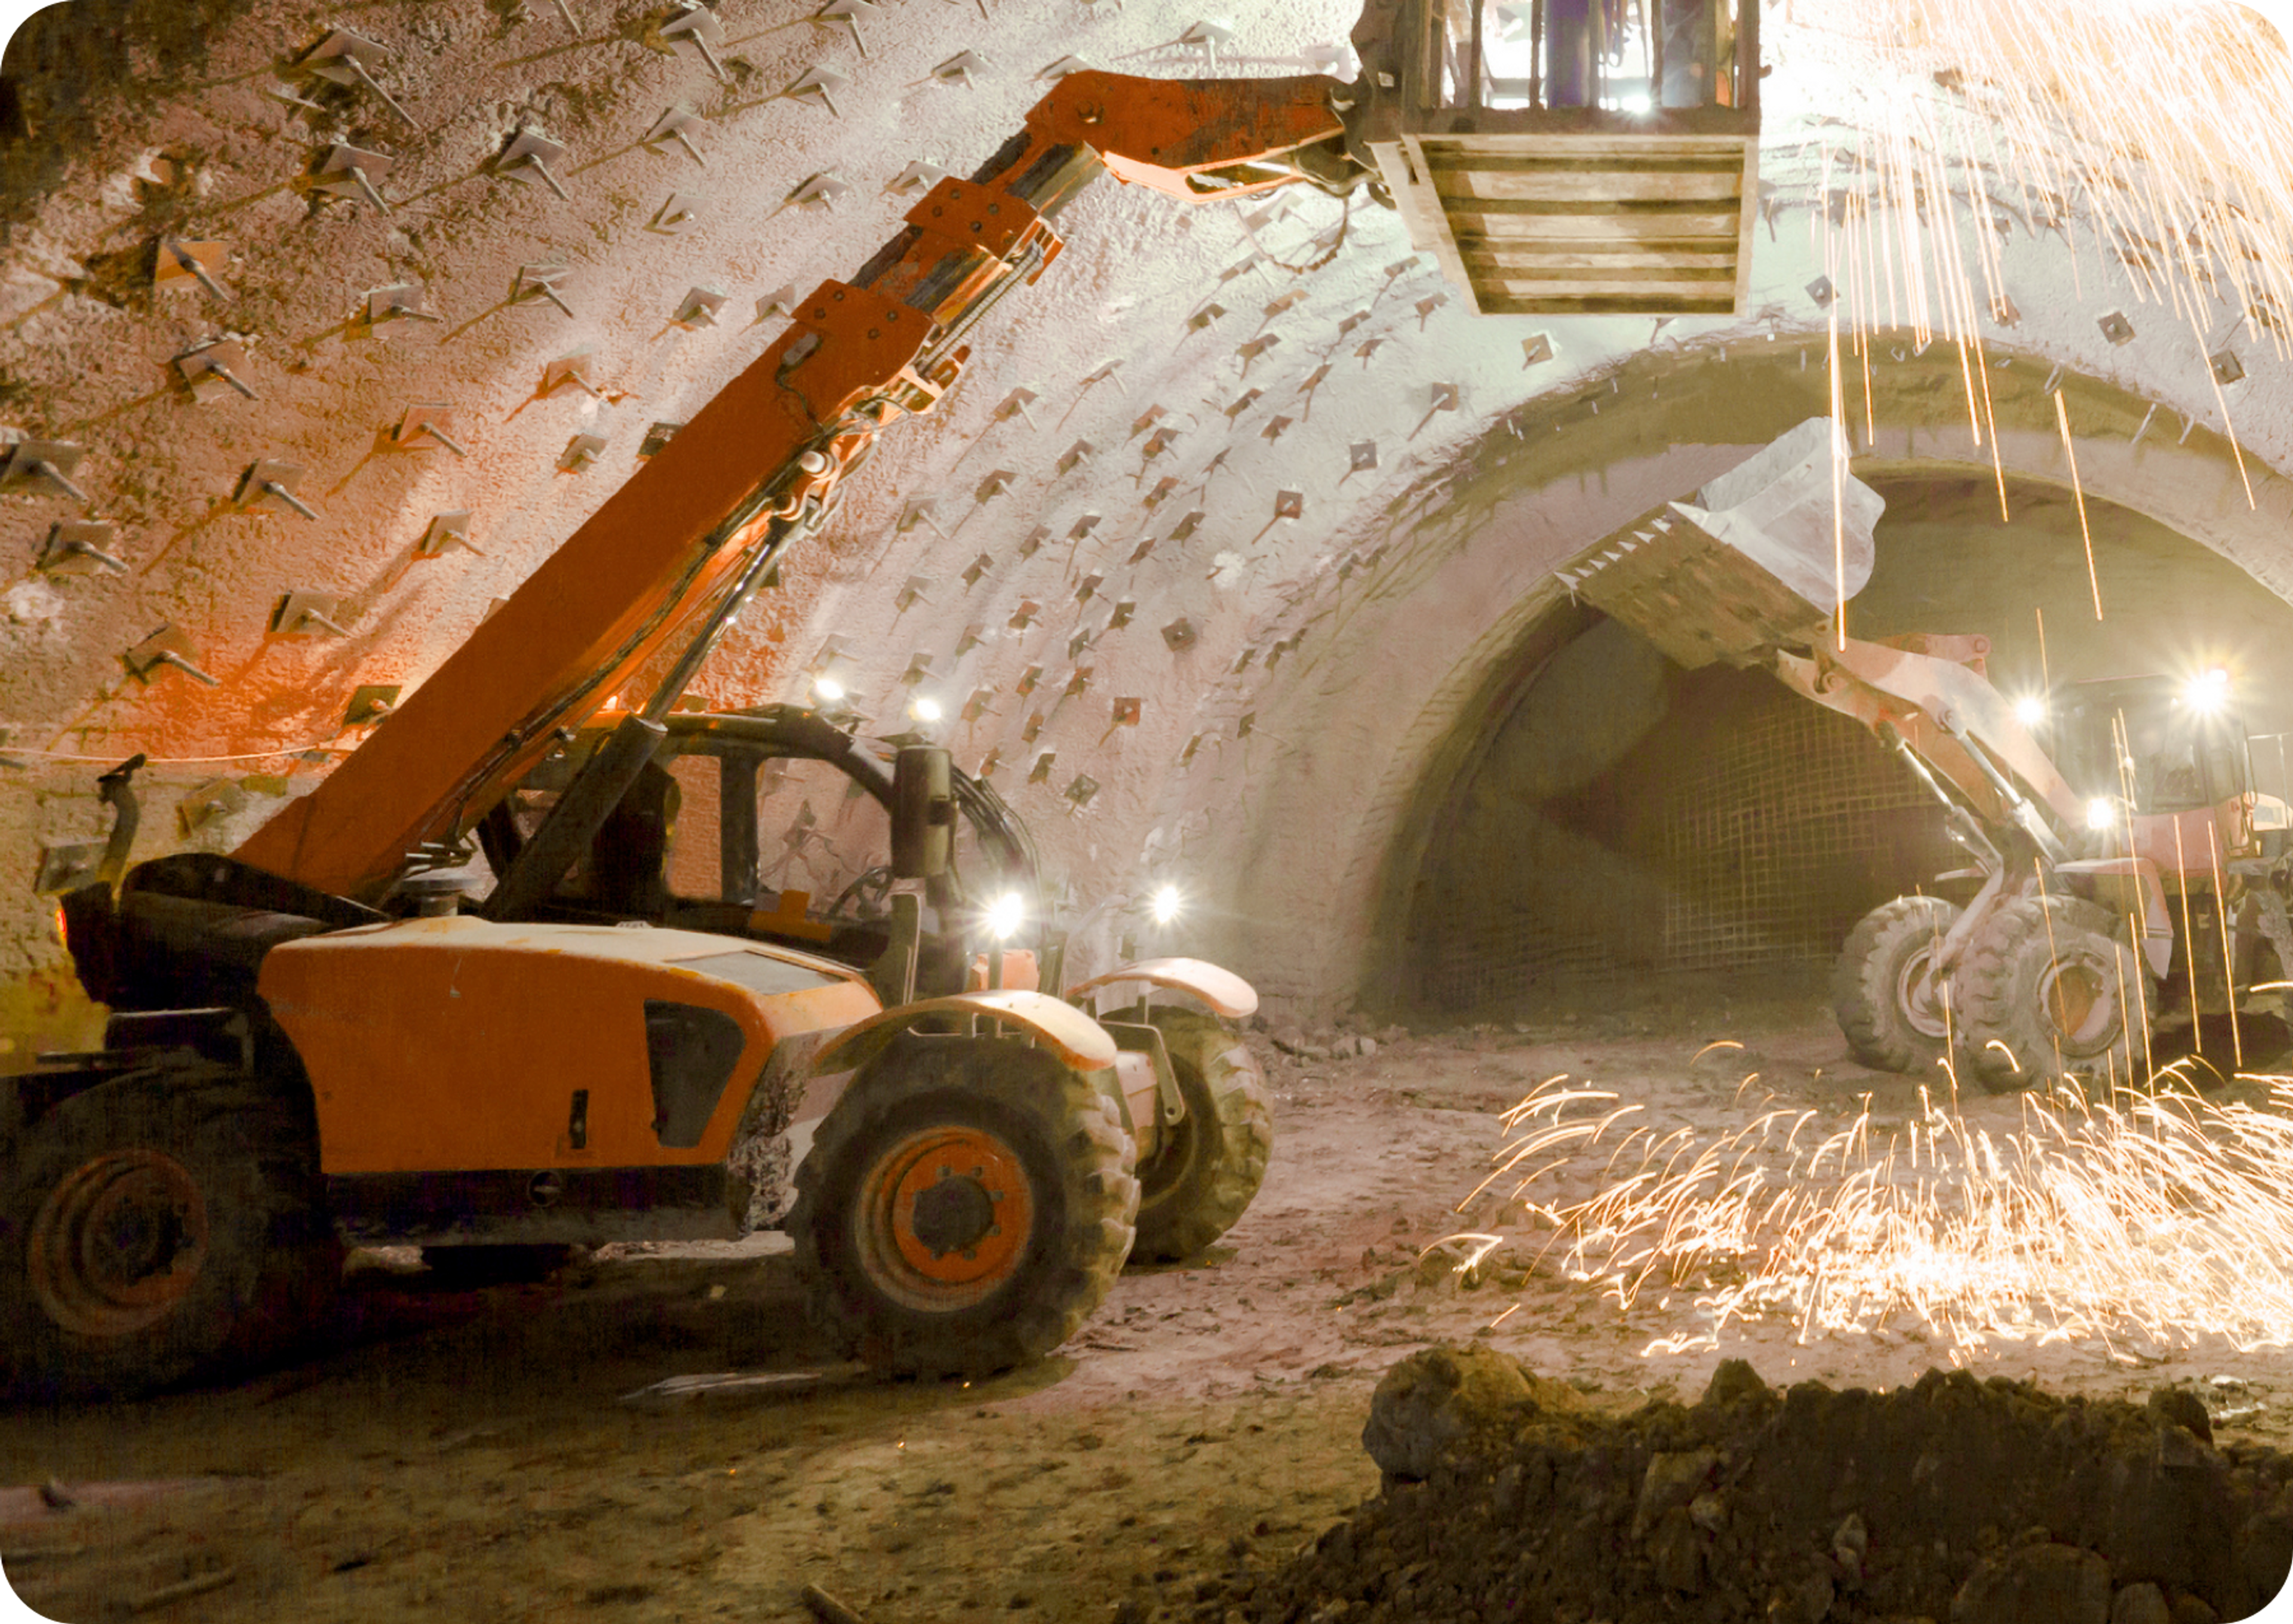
column 2074, row 1001
column 1921, row 997
column 947, row 1217
column 117, row 1243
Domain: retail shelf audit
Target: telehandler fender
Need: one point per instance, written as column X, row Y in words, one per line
column 1220, row 990
column 1078, row 1040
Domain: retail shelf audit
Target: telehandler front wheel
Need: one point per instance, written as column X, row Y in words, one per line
column 1883, row 991
column 2048, row 991
column 1211, row 1162
column 964, row 1207
column 161, row 1225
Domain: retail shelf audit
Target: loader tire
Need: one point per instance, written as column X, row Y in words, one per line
column 964, row 1207
column 2047, row 990
column 162, row 1226
column 1203, row 1178
column 1885, row 998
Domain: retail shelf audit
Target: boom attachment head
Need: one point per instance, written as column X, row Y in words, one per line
column 1568, row 157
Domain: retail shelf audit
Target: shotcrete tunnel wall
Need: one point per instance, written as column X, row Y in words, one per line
column 1299, row 688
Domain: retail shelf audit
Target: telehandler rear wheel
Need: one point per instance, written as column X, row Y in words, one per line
column 1212, row 1161
column 964, row 1207
column 2048, row 989
column 161, row 1225
column 1884, row 990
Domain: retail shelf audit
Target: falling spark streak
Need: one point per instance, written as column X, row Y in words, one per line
column 1536, row 1099
column 2062, row 416
column 2182, row 869
column 2220, row 917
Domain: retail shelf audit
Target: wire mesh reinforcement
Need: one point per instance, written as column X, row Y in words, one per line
column 1765, row 847
column 1796, row 825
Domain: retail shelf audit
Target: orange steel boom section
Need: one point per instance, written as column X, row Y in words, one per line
column 1172, row 135
column 762, row 461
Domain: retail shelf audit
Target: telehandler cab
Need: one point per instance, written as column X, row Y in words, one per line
column 776, row 825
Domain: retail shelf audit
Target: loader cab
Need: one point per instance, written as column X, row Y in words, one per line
column 776, row 825
column 2163, row 744
column 2170, row 753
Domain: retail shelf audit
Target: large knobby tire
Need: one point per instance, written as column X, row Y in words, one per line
column 161, row 1226
column 1884, row 992
column 964, row 1207
column 1202, row 1177
column 2048, row 989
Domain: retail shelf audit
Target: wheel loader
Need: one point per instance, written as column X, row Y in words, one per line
column 2125, row 871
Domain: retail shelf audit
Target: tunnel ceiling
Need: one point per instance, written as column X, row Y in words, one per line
column 1195, row 487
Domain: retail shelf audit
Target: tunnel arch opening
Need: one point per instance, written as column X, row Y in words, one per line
column 1311, row 828
column 1603, row 816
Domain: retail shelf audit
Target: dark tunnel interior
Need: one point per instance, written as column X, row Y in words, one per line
column 1618, row 817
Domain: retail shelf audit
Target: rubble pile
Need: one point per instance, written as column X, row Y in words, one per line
column 1956, row 1500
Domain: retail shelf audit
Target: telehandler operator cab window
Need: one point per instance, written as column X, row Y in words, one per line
column 822, row 847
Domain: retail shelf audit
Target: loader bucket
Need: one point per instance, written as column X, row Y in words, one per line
column 1762, row 560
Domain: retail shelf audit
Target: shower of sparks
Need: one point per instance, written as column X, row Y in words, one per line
column 2183, row 187
column 2152, row 137
column 2145, row 1220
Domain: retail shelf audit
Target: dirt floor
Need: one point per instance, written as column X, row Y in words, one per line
column 656, row 1436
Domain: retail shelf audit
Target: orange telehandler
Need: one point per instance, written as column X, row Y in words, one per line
column 292, row 1059
column 311, row 1040
column 2130, row 876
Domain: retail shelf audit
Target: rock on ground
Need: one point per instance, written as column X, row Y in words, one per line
column 1953, row 1499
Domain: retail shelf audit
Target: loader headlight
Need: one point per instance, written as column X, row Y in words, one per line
column 1005, row 915
column 1168, row 904
column 2030, row 710
column 2208, row 692
column 2100, row 814
column 828, row 688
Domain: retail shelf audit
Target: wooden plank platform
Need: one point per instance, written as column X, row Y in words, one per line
column 1567, row 220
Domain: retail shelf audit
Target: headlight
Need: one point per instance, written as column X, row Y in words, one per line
column 1168, row 904
column 928, row 709
column 2100, row 813
column 2208, row 692
column 2030, row 710
column 828, row 688
column 1005, row 915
